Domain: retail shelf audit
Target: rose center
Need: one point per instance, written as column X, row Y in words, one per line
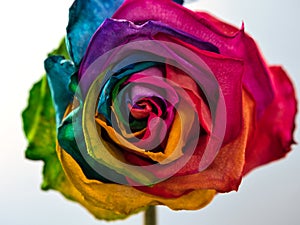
column 142, row 108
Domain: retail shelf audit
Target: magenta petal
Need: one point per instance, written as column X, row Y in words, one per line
column 273, row 134
column 230, row 41
column 229, row 74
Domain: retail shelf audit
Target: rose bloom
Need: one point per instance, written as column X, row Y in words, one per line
column 160, row 105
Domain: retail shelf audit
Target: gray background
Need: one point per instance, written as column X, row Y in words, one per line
column 30, row 29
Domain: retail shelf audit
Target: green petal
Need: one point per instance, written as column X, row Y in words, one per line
column 39, row 127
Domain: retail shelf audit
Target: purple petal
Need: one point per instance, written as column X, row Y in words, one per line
column 113, row 33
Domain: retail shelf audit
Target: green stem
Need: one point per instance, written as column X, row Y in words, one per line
column 150, row 216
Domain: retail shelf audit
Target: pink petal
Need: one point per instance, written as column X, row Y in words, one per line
column 273, row 133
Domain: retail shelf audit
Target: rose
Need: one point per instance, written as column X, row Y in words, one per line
column 185, row 106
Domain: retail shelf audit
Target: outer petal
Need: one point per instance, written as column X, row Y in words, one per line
column 66, row 187
column 59, row 72
column 39, row 128
column 84, row 18
column 229, row 40
column 273, row 134
column 119, row 198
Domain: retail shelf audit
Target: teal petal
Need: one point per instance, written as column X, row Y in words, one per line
column 59, row 72
column 179, row 1
column 85, row 16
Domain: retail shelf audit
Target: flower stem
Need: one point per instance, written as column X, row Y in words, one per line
column 150, row 216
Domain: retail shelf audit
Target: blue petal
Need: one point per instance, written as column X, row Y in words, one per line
column 85, row 16
column 59, row 72
column 179, row 1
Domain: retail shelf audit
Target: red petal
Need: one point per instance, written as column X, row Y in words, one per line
column 228, row 72
column 273, row 133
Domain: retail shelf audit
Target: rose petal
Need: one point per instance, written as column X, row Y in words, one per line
column 59, row 72
column 113, row 33
column 273, row 133
column 190, row 86
column 118, row 198
column 228, row 73
column 67, row 188
column 85, row 17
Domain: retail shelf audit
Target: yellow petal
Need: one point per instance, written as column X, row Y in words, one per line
column 67, row 188
column 121, row 199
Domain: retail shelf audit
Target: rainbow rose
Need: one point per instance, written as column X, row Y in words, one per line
column 155, row 105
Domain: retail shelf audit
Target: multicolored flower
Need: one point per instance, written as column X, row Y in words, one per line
column 155, row 104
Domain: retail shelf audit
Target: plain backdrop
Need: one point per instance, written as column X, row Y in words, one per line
column 32, row 28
